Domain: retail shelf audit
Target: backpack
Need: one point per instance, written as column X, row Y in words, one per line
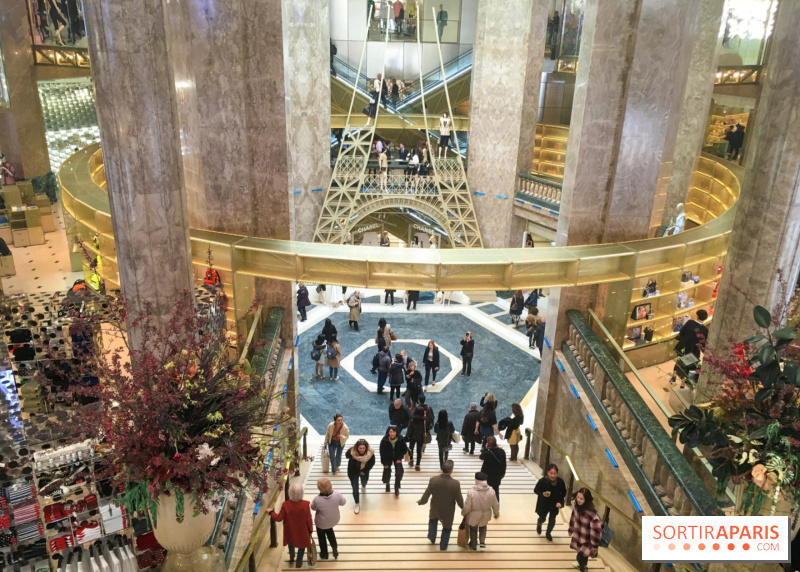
column 315, row 353
column 605, row 540
column 376, row 361
column 331, row 352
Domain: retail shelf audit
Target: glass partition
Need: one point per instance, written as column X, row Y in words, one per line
column 57, row 23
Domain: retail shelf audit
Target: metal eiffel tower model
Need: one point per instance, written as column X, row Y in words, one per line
column 354, row 193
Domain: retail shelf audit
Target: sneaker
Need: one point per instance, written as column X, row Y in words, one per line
column 576, row 565
column 483, row 545
column 336, row 378
column 357, row 509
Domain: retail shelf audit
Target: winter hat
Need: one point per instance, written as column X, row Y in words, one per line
column 480, row 476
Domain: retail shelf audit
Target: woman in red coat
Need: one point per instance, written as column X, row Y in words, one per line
column 297, row 525
column 585, row 528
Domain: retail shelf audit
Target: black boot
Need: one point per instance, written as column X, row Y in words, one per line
column 539, row 528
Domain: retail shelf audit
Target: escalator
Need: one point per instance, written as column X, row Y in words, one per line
column 458, row 75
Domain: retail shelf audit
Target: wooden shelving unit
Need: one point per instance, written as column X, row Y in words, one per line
column 550, row 149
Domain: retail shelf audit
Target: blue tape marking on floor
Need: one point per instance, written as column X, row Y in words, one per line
column 574, row 391
column 560, row 365
column 316, row 190
column 501, row 196
column 547, row 343
column 537, row 207
column 612, row 459
column 591, row 422
column 520, row 201
column 479, row 193
column 554, row 213
column 634, row 501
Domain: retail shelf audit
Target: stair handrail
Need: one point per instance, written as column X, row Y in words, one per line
column 682, row 472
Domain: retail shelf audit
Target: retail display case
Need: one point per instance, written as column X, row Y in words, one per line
column 550, row 149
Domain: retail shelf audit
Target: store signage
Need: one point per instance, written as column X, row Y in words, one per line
column 366, row 228
column 705, row 539
column 427, row 229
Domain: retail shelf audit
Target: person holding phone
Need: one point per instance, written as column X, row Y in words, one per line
column 467, row 349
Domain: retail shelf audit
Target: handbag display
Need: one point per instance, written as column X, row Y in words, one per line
column 641, row 311
column 650, row 289
column 634, row 333
column 683, row 300
column 648, row 334
column 463, row 533
column 686, row 276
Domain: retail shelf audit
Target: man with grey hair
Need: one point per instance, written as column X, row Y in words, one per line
column 445, row 493
column 468, row 428
column 399, row 415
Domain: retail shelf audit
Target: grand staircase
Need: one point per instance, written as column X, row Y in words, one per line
column 390, row 532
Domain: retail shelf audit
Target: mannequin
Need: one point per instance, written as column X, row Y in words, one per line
column 433, row 239
column 680, row 220
column 444, row 131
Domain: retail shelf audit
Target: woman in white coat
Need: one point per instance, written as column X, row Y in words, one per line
column 479, row 506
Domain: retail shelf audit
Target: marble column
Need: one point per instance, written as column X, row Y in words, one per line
column 766, row 233
column 137, row 114
column 503, row 106
column 237, row 60
column 628, row 84
column 22, row 125
column 696, row 102
column 654, row 93
column 308, row 109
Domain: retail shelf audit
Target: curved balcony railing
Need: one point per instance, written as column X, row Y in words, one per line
column 241, row 259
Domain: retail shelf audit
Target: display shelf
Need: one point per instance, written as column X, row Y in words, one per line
column 655, row 269
column 661, row 295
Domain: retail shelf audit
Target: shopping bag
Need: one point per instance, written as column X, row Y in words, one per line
column 463, row 533
column 326, row 462
column 456, row 437
column 311, row 553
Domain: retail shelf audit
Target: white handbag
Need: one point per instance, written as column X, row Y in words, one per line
column 456, row 437
column 326, row 462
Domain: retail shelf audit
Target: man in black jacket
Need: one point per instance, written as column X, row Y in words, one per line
column 691, row 340
column 467, row 349
column 399, row 415
column 384, row 363
column 538, row 336
column 396, row 376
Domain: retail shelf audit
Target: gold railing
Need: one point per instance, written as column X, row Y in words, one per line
column 241, row 259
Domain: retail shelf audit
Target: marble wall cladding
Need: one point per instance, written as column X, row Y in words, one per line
column 506, row 79
column 237, row 53
column 656, row 82
column 136, row 109
column 696, row 102
column 22, row 138
column 308, row 109
column 766, row 233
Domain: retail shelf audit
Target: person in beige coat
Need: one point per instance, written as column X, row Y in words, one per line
column 445, row 493
column 335, row 438
column 333, row 357
column 481, row 503
column 354, row 303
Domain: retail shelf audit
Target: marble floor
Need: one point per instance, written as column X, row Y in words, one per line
column 503, row 363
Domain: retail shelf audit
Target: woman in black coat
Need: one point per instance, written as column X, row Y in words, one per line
column 468, row 435
column 494, row 464
column 361, row 459
column 421, row 424
column 444, row 435
column 552, row 493
column 392, row 451
column 430, row 359
column 302, row 301
column 467, row 349
column 414, row 381
column 329, row 330
column 516, row 306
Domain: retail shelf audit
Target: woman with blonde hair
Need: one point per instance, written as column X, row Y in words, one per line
column 326, row 504
column 295, row 514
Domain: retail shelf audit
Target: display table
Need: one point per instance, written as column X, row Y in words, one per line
column 7, row 267
column 26, row 226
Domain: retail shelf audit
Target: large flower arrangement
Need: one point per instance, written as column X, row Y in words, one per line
column 751, row 427
column 178, row 415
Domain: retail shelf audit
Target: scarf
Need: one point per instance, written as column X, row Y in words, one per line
column 365, row 457
column 393, row 441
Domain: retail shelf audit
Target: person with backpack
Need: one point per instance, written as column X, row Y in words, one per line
column 551, row 494
column 302, row 301
column 468, row 435
column 396, row 376
column 494, row 464
column 511, row 425
column 333, row 355
column 419, row 431
column 318, row 355
column 354, row 303
column 532, row 301
column 384, row 363
column 430, row 359
column 392, row 450
column 515, row 308
column 585, row 528
column 479, row 506
column 361, row 459
column 444, row 435
column 399, row 415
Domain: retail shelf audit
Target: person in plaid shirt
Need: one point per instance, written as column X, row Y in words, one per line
column 585, row 528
